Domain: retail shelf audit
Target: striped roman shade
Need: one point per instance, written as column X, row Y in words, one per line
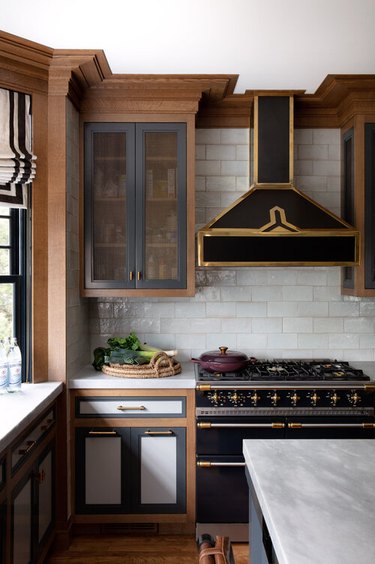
column 17, row 163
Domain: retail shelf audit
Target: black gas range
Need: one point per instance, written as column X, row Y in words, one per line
column 286, row 387
column 288, row 399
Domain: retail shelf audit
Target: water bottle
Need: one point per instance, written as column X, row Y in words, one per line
column 4, row 377
column 15, row 367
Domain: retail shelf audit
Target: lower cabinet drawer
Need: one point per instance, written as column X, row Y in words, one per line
column 130, row 407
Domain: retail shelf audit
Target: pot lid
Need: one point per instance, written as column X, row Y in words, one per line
column 223, row 354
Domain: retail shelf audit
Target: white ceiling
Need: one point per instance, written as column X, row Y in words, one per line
column 269, row 43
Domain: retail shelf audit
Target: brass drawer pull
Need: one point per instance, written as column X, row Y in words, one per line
column 153, row 433
column 131, row 407
column 101, row 433
column 208, row 464
column 23, row 451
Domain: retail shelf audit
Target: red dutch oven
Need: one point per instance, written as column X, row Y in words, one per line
column 222, row 360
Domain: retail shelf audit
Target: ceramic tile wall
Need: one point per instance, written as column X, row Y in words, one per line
column 267, row 312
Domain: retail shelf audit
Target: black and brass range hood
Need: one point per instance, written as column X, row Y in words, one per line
column 274, row 223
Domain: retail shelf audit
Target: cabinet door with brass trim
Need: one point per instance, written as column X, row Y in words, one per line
column 160, row 472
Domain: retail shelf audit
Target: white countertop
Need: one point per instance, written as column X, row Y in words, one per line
column 89, row 378
column 19, row 409
column 317, row 498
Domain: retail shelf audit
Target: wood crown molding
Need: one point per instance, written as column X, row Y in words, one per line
column 85, row 76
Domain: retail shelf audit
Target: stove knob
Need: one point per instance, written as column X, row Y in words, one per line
column 354, row 398
column 236, row 398
column 313, row 397
column 273, row 397
column 294, row 397
column 333, row 397
column 254, row 398
column 217, row 398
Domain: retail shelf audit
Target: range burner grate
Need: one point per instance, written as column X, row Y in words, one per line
column 290, row 370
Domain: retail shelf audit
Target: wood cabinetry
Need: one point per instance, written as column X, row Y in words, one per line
column 358, row 158
column 137, row 204
column 134, row 456
column 27, row 497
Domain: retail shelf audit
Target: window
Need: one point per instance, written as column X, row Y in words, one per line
column 15, row 280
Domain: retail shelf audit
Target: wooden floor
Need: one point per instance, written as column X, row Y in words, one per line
column 142, row 549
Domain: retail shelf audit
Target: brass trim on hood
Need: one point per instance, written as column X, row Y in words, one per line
column 274, row 223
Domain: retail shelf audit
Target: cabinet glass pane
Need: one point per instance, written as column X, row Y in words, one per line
column 161, row 191
column 158, row 470
column 109, row 205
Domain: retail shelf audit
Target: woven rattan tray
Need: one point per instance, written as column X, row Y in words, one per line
column 160, row 366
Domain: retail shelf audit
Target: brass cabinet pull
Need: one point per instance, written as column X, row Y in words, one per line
column 101, row 433
column 131, row 275
column 153, row 433
column 208, row 464
column 139, row 275
column 23, row 451
column 131, row 407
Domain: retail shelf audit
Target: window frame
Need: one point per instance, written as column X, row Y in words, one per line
column 20, row 277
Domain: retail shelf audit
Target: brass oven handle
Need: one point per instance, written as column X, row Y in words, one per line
column 101, row 433
column 331, row 425
column 208, row 464
column 155, row 433
column 131, row 407
column 209, row 425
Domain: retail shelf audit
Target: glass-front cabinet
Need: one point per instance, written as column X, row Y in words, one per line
column 135, row 206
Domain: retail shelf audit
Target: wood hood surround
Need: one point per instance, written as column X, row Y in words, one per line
column 83, row 76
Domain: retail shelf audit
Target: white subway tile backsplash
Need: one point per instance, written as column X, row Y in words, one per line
column 267, row 325
column 313, row 152
column 266, row 312
column 297, row 293
column 297, row 325
column 220, row 309
column 359, row 325
column 326, row 136
column 282, row 341
column 221, row 152
column 236, row 168
column 328, row 325
column 207, row 136
column 221, row 183
column 267, row 293
column 235, row 136
column 207, row 168
column 250, row 309
column 237, row 325
column 283, row 309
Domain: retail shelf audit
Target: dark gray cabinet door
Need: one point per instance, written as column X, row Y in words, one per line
column 137, row 470
column 135, row 205
column 160, row 472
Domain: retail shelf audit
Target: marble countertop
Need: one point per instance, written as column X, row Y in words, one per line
column 317, row 498
column 18, row 410
column 89, row 378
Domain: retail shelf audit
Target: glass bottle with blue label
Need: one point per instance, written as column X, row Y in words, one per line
column 15, row 367
column 4, row 377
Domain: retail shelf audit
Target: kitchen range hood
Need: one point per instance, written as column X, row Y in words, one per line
column 274, row 223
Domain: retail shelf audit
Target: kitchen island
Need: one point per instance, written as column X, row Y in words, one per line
column 312, row 501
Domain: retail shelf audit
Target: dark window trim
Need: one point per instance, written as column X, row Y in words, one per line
column 20, row 261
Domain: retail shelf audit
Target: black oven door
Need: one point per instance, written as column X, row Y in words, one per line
column 222, row 490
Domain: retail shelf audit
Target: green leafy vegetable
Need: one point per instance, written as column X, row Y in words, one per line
column 128, row 350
